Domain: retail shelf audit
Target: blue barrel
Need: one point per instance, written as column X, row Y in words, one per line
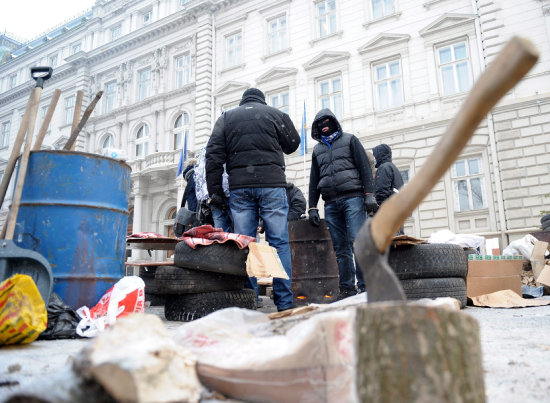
column 74, row 212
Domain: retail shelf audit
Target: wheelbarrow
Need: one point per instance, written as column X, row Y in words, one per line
column 13, row 259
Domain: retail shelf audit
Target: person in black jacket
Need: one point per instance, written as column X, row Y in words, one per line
column 252, row 140
column 341, row 174
column 388, row 179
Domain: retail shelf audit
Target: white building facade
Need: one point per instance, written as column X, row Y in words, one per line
column 393, row 71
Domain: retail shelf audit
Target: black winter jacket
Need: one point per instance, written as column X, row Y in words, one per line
column 340, row 170
column 296, row 202
column 388, row 176
column 251, row 140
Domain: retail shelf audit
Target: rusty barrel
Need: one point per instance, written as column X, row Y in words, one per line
column 314, row 266
column 74, row 212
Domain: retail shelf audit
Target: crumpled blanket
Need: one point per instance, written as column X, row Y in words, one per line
column 207, row 235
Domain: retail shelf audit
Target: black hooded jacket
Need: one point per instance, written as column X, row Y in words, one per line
column 251, row 140
column 340, row 170
column 388, row 176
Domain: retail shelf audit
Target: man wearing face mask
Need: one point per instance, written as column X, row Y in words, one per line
column 341, row 174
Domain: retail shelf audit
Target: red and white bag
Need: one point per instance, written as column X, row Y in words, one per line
column 125, row 297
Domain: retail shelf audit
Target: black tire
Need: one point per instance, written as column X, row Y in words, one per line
column 545, row 218
column 155, row 299
column 179, row 280
column 428, row 261
column 147, row 271
column 225, row 258
column 546, row 226
column 188, row 307
column 150, row 285
column 436, row 287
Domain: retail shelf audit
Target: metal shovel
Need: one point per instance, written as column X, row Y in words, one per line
column 374, row 238
column 13, row 259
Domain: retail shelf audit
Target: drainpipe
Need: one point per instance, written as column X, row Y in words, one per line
column 492, row 137
column 213, row 80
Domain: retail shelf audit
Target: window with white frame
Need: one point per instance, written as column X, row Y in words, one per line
column 233, row 50
column 330, row 95
column 6, row 129
column 142, row 141
column 181, row 130
column 468, row 184
column 12, row 81
column 108, row 142
column 277, row 33
column 53, row 60
column 279, row 100
column 326, row 17
column 116, row 32
column 110, row 96
column 144, row 83
column 388, row 84
column 69, row 109
column 76, row 47
column 147, row 17
column 454, row 68
column 382, row 8
column 183, row 70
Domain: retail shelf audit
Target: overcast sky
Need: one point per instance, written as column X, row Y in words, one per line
column 27, row 19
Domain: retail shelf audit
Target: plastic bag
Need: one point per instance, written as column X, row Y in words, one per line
column 62, row 320
column 23, row 313
column 523, row 246
column 125, row 297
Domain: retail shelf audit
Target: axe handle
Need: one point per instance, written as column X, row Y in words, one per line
column 511, row 64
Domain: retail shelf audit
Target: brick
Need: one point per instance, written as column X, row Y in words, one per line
column 518, row 213
column 541, row 139
column 540, row 119
column 534, row 110
column 513, row 173
column 530, row 181
column 513, row 203
column 499, row 117
column 505, row 125
column 507, row 135
column 531, row 150
column 510, row 184
column 506, row 145
column 508, row 164
column 532, row 201
column 520, row 123
column 531, row 130
column 509, row 154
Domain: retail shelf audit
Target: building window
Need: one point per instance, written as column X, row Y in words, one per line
column 330, row 95
column 142, row 141
column 110, row 96
column 6, row 129
column 404, row 175
column 276, row 32
column 147, row 17
column 279, row 101
column 76, row 47
column 144, row 83
column 233, row 50
column 388, row 84
column 326, row 17
column 468, row 184
column 454, row 68
column 69, row 110
column 108, row 142
column 116, row 32
column 12, row 81
column 181, row 130
column 381, row 8
column 183, row 70
column 53, row 61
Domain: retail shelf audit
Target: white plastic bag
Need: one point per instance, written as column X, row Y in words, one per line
column 125, row 297
column 464, row 240
column 523, row 246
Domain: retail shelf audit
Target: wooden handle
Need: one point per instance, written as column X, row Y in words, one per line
column 76, row 114
column 87, row 113
column 47, row 119
column 512, row 63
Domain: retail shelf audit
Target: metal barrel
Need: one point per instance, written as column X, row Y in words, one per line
column 314, row 266
column 74, row 212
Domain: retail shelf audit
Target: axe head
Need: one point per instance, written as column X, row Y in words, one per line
column 380, row 281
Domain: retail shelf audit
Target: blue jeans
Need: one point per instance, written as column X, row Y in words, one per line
column 271, row 204
column 222, row 219
column 344, row 218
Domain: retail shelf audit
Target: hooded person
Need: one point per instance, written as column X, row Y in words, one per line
column 189, row 196
column 251, row 141
column 341, row 174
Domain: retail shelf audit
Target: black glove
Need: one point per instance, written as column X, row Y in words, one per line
column 217, row 201
column 369, row 203
column 314, row 218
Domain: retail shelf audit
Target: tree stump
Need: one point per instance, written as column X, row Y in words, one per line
column 413, row 353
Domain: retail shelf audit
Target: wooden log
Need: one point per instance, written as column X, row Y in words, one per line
column 408, row 353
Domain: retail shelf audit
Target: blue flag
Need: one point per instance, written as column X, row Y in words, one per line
column 180, row 165
column 303, row 134
column 183, row 156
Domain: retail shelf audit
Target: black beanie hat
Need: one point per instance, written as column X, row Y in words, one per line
column 255, row 92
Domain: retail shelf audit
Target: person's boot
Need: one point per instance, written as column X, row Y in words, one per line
column 344, row 294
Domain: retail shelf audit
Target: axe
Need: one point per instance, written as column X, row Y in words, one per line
column 373, row 240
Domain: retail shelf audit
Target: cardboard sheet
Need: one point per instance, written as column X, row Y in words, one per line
column 541, row 270
column 507, row 299
column 263, row 261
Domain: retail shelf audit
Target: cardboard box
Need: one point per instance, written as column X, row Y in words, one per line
column 541, row 270
column 488, row 274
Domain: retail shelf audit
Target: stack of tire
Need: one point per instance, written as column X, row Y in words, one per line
column 431, row 270
column 545, row 222
column 204, row 280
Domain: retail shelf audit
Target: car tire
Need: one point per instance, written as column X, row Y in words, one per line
column 454, row 287
column 545, row 218
column 546, row 226
column 428, row 261
column 155, row 299
column 188, row 307
column 225, row 258
column 180, row 280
